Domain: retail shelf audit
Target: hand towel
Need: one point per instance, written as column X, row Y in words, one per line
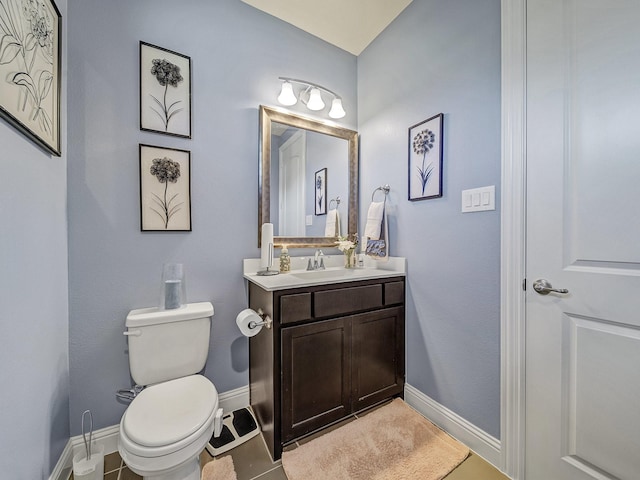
column 378, row 249
column 374, row 220
column 332, row 227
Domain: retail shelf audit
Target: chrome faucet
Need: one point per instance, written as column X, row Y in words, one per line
column 317, row 265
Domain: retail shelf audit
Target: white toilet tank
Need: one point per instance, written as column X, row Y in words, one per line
column 168, row 344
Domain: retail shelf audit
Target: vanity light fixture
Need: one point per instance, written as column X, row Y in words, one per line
column 315, row 102
column 310, row 95
column 287, row 97
column 336, row 109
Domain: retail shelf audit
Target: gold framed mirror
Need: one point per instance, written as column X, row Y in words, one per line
column 298, row 155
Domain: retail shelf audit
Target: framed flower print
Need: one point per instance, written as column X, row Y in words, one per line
column 425, row 159
column 30, row 73
column 165, row 189
column 320, row 197
column 165, row 91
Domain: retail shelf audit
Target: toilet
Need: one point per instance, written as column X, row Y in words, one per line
column 169, row 423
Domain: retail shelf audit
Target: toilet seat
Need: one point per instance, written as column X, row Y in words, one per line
column 168, row 412
column 182, row 455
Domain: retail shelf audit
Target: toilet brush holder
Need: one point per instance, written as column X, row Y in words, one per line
column 89, row 463
column 92, row 468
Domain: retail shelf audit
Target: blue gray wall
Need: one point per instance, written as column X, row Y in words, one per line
column 34, row 362
column 237, row 53
column 441, row 56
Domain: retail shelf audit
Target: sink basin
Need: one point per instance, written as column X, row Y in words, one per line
column 323, row 274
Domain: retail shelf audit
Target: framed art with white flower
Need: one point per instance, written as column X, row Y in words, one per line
column 30, row 73
column 320, row 189
column 425, row 159
column 165, row 91
column 165, row 189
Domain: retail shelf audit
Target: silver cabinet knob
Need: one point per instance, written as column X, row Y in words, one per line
column 543, row 287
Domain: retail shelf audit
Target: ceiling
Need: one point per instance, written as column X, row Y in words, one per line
column 348, row 24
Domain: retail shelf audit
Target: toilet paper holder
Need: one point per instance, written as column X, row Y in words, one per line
column 251, row 322
column 266, row 320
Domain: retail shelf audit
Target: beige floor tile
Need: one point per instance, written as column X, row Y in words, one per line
column 291, row 446
column 275, row 474
column 475, row 468
column 205, row 457
column 251, row 459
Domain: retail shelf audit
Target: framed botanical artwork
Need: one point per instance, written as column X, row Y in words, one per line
column 165, row 91
column 321, row 192
column 30, row 73
column 165, row 189
column 425, row 159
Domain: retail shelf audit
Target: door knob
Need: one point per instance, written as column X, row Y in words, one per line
column 543, row 287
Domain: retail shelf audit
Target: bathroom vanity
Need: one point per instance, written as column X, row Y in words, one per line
column 336, row 346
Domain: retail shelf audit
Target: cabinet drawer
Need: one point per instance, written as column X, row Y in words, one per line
column 347, row 300
column 393, row 293
column 295, row 308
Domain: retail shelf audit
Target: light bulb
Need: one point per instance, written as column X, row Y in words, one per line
column 287, row 97
column 315, row 100
column 336, row 109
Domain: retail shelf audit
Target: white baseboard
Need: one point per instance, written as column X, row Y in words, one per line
column 108, row 437
column 483, row 444
column 62, row 470
column 234, row 399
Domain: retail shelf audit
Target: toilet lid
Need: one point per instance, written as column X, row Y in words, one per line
column 170, row 411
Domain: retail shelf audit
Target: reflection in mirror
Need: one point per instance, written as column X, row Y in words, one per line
column 301, row 206
column 308, row 172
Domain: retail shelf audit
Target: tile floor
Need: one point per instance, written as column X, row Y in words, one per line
column 252, row 462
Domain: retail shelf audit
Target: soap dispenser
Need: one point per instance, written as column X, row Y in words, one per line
column 285, row 260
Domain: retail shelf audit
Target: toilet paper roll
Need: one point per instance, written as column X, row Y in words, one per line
column 245, row 319
column 266, row 245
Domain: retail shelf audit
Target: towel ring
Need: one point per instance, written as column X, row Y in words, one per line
column 337, row 200
column 385, row 189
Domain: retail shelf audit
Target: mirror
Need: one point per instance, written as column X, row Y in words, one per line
column 307, row 168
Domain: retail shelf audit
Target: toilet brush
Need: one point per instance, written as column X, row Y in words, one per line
column 87, row 446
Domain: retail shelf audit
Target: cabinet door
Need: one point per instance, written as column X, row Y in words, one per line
column 316, row 384
column 377, row 356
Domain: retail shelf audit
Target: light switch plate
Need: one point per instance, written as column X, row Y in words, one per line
column 479, row 199
column 309, row 220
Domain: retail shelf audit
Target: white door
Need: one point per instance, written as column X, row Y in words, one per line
column 583, row 234
column 291, row 188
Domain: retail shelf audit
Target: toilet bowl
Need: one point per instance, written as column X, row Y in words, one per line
column 168, row 424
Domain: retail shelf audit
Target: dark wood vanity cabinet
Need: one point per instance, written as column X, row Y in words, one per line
column 333, row 350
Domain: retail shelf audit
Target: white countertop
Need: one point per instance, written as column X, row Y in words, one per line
column 334, row 272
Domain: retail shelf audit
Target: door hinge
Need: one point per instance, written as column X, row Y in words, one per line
column 524, row 284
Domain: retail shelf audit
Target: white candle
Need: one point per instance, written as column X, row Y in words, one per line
column 265, row 244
